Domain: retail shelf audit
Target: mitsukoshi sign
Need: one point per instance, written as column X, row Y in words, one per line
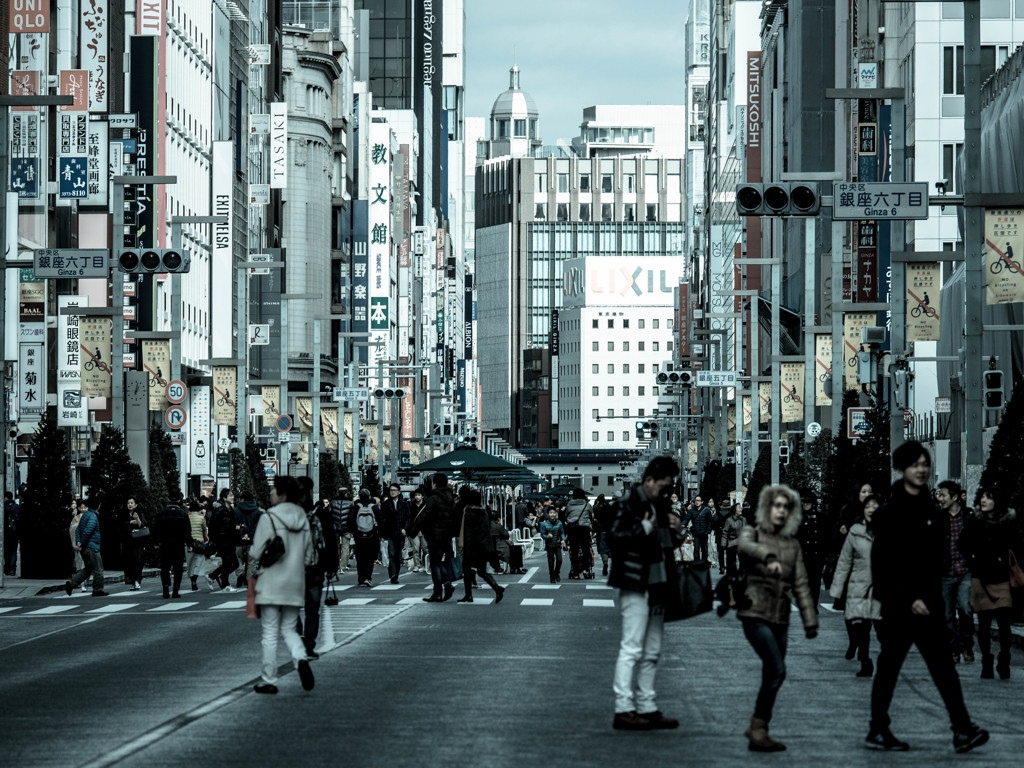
column 621, row 281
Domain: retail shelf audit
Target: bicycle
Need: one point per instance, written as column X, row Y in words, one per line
column 92, row 364
column 997, row 266
column 221, row 401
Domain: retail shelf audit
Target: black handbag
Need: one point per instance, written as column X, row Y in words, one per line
column 694, row 589
column 273, row 550
column 332, row 595
column 140, row 533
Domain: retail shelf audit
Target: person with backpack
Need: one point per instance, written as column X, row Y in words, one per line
column 579, row 525
column 324, row 563
column 247, row 517
column 173, row 534
column 367, row 536
column 477, row 545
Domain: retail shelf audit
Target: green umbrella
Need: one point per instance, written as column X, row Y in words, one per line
column 474, row 464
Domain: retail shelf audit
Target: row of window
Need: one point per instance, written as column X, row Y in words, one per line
column 641, row 323
column 674, row 212
column 992, row 57
column 595, row 346
column 518, row 128
column 628, row 185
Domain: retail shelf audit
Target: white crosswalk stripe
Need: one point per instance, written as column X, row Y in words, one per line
column 537, row 601
column 357, row 601
column 229, row 605
column 112, row 608
column 594, row 603
column 546, row 586
column 386, row 587
column 8, row 609
column 177, row 606
column 51, row 609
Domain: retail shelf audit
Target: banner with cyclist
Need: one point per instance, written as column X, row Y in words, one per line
column 923, row 294
column 156, row 362
column 822, row 368
column 853, row 324
column 764, row 398
column 329, row 427
column 748, row 413
column 271, row 396
column 94, row 341
column 1004, row 255
column 304, row 409
column 791, row 378
column 224, row 394
column 349, row 422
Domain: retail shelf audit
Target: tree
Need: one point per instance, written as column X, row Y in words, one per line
column 709, row 480
column 257, row 472
column 164, row 477
column 330, row 476
column 866, row 461
column 45, row 506
column 759, row 478
column 371, row 480
column 113, row 477
column 345, row 481
column 241, row 479
column 1003, row 466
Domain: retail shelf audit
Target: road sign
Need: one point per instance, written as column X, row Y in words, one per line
column 259, row 334
column 885, row 200
column 943, row 405
column 74, row 263
column 270, row 468
column 716, row 378
column 176, row 391
column 284, row 437
column 259, row 271
column 223, row 465
column 224, row 443
column 814, row 429
column 259, row 257
column 857, row 425
column 350, row 393
column 284, row 423
column 175, row 417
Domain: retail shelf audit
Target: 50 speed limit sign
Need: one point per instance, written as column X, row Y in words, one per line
column 176, row 391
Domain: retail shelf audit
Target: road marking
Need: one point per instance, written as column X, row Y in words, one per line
column 50, row 609
column 409, row 601
column 357, row 601
column 545, row 586
column 537, row 601
column 8, row 610
column 598, row 586
column 229, row 605
column 54, row 632
column 481, row 601
column 171, row 607
column 387, row 587
column 131, row 593
column 528, row 575
column 595, row 603
column 112, row 608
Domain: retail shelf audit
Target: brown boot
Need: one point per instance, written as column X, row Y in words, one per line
column 760, row 741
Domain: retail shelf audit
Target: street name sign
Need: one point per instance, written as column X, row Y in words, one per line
column 716, row 378
column 70, row 262
column 350, row 393
column 882, row 200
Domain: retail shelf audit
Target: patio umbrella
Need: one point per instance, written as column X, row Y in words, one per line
column 477, row 465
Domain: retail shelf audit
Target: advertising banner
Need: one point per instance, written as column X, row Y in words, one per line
column 379, row 222
column 408, row 411
column 199, row 431
column 24, row 137
column 853, row 323
column 748, row 413
column 822, row 368
column 1004, row 255
column 94, row 51
column 387, row 444
column 791, row 377
column 923, row 301
column 31, row 379
column 31, row 298
column 222, row 256
column 304, row 412
column 278, row 145
column 415, row 453
column 764, row 396
column 97, row 165
column 329, row 428
column 271, row 404
column 71, row 411
column 371, row 445
column 349, row 422
column 224, row 394
column 94, row 343
column 302, row 453
column 360, row 268
column 156, row 362
column 28, row 16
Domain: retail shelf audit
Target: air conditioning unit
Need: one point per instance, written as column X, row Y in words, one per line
column 873, row 335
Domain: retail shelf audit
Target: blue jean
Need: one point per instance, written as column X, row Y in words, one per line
column 956, row 594
column 769, row 642
column 441, row 572
column 700, row 547
column 394, row 547
column 314, row 592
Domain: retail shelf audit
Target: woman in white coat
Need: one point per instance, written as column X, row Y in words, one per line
column 281, row 587
column 853, row 574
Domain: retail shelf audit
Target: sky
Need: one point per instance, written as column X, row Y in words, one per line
column 574, row 54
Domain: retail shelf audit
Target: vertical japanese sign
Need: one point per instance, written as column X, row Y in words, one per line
column 94, row 52
column 31, row 298
column 156, row 362
column 329, row 427
column 349, row 423
column 822, row 368
column 278, row 145
column 791, row 376
column 923, row 301
column 379, row 221
column 460, row 380
column 271, row 396
column 867, row 261
column 31, row 379
column 884, row 252
column 71, row 411
column 764, row 398
column 408, row 412
column 97, row 164
column 853, row 324
column 360, row 268
column 1004, row 255
column 94, row 343
column 24, row 139
column 683, row 321
column 224, row 394
column 73, row 135
column 304, row 412
column 199, row 431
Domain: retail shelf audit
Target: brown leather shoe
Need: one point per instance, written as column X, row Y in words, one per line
column 658, row 720
column 631, row 721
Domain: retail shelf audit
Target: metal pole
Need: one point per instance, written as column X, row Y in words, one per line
column 838, row 350
column 4, row 114
column 776, row 280
column 176, row 342
column 810, row 366
column 242, row 353
column 284, row 407
column 380, row 423
column 898, row 299
column 314, row 448
column 117, row 321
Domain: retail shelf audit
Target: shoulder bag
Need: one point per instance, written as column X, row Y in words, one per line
column 694, row 588
column 1016, row 573
column 273, row 550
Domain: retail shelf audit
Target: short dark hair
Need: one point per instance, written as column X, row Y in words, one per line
column 8, row 496
column 441, row 480
column 247, row 496
column 471, row 496
column 287, row 486
column 908, row 454
column 579, row 493
column 993, row 492
column 952, row 486
column 661, row 467
column 225, row 491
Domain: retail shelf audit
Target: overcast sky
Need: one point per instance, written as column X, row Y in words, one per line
column 574, row 54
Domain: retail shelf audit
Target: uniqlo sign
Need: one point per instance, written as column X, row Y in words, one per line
column 29, row 16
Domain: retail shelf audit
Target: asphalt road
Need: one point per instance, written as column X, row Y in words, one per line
column 124, row 681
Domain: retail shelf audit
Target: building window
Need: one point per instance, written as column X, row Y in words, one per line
column 584, row 211
column 655, row 346
column 611, row 346
column 542, row 182
column 625, row 393
column 640, row 346
column 950, row 154
column 611, row 367
column 625, row 412
column 656, row 323
column 611, row 323
column 655, row 391
column 563, row 212
column 992, row 58
column 629, row 182
column 625, row 323
column 611, row 436
column 533, row 128
column 611, row 391
column 540, row 212
column 628, row 212
column 611, row 413
column 669, row 346
column 595, row 436
column 606, row 183
column 641, row 321
column 503, row 129
column 640, row 368
column 640, row 391
column 953, row 70
column 640, row 413
column 595, row 346
column 606, row 211
column 520, row 129
column 563, row 182
column 652, row 212
column 593, row 323
column 594, row 391
column 625, row 366
column 584, row 182
column 593, row 413
column 595, row 368
column 625, row 346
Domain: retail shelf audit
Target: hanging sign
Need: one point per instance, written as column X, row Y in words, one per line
column 349, row 423
column 224, row 394
column 923, row 300
column 199, row 431
column 1004, row 255
column 822, row 368
column 329, row 427
column 156, row 362
column 31, row 379
column 304, row 408
column 764, row 396
column 271, row 396
column 94, row 344
column 791, row 376
column 853, row 323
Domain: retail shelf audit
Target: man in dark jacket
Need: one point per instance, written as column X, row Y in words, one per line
column 394, row 521
column 342, row 510
column 11, row 511
column 814, row 536
column 642, row 537
column 247, row 515
column 437, row 525
column 173, row 534
column 87, row 542
column 223, row 532
column 699, row 521
column 907, row 565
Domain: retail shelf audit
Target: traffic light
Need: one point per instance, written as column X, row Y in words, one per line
column 153, row 260
column 778, row 198
column 993, row 390
column 389, row 392
column 646, row 426
column 684, row 378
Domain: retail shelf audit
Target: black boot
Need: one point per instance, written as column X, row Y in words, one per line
column 1003, row 665
column 167, row 591
column 195, row 585
column 867, row 668
column 986, row 666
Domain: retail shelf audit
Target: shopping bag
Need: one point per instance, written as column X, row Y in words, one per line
column 252, row 611
column 694, row 588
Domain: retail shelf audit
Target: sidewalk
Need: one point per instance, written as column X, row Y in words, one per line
column 15, row 588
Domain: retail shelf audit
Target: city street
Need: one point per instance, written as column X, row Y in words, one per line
column 134, row 680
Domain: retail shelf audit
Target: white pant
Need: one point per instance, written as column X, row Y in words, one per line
column 275, row 621
column 638, row 654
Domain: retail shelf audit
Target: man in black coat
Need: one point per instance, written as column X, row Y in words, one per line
column 437, row 523
column 394, row 521
column 174, row 533
column 642, row 537
column 815, row 535
column 907, row 565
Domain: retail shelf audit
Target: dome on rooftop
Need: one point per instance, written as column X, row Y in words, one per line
column 514, row 101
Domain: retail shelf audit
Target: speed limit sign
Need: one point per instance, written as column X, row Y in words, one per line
column 176, row 391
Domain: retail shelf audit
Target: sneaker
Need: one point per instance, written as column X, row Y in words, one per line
column 498, row 594
column 67, row 587
column 658, row 720
column 85, row 588
column 133, row 588
column 968, row 740
column 100, row 593
column 138, row 585
column 884, row 740
column 312, row 654
column 229, row 588
column 265, row 688
column 631, row 721
column 306, row 675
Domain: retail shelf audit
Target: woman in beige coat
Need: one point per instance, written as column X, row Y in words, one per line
column 281, row 587
column 853, row 575
column 771, row 558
